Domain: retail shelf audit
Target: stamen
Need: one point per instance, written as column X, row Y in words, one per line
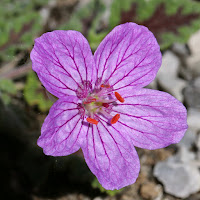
column 106, row 105
column 89, row 101
column 92, row 121
column 119, row 97
column 105, row 100
column 115, row 119
column 105, row 86
column 106, row 114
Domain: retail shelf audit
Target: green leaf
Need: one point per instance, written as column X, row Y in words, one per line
column 170, row 21
column 7, row 86
column 96, row 184
column 73, row 24
column 34, row 93
column 20, row 23
column 5, row 98
column 95, row 39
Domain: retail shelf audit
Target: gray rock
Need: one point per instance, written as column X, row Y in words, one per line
column 97, row 198
column 198, row 147
column 188, row 139
column 153, row 85
column 193, row 61
column 183, row 156
column 170, row 65
column 186, row 73
column 167, row 76
column 44, row 13
column 194, row 43
column 198, row 142
column 179, row 179
column 192, row 93
column 172, row 85
column 193, row 119
column 180, row 49
column 179, row 174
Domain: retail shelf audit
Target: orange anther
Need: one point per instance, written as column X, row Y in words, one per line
column 115, row 119
column 92, row 121
column 105, row 86
column 119, row 97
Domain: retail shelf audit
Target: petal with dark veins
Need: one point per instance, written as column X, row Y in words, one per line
column 63, row 61
column 61, row 132
column 152, row 119
column 128, row 56
column 110, row 156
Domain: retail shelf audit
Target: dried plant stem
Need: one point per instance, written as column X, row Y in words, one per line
column 17, row 72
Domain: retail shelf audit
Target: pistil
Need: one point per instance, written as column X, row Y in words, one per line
column 89, row 100
column 99, row 103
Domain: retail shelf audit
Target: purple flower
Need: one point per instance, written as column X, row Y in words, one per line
column 102, row 107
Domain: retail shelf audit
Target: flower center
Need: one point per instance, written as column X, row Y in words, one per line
column 101, row 102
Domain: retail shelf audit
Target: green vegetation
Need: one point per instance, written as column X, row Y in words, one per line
column 35, row 94
column 170, row 21
column 20, row 23
column 96, row 184
column 7, row 89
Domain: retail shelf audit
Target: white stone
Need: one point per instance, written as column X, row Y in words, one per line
column 183, row 156
column 193, row 61
column 179, row 179
column 170, row 65
column 197, row 83
column 97, row 198
column 198, row 142
column 44, row 12
column 172, row 85
column 153, row 85
column 167, row 76
column 193, row 119
column 192, row 93
column 180, row 49
column 194, row 43
column 188, row 139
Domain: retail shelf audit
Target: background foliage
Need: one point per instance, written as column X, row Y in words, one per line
column 21, row 21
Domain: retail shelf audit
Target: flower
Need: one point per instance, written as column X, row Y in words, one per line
column 103, row 108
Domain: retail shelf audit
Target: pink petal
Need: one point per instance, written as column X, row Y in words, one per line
column 63, row 61
column 152, row 119
column 128, row 56
column 61, row 130
column 110, row 156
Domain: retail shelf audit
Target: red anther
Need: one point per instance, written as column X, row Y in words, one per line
column 119, row 97
column 93, row 99
column 105, row 86
column 115, row 119
column 92, row 121
column 86, row 102
column 89, row 101
column 105, row 105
